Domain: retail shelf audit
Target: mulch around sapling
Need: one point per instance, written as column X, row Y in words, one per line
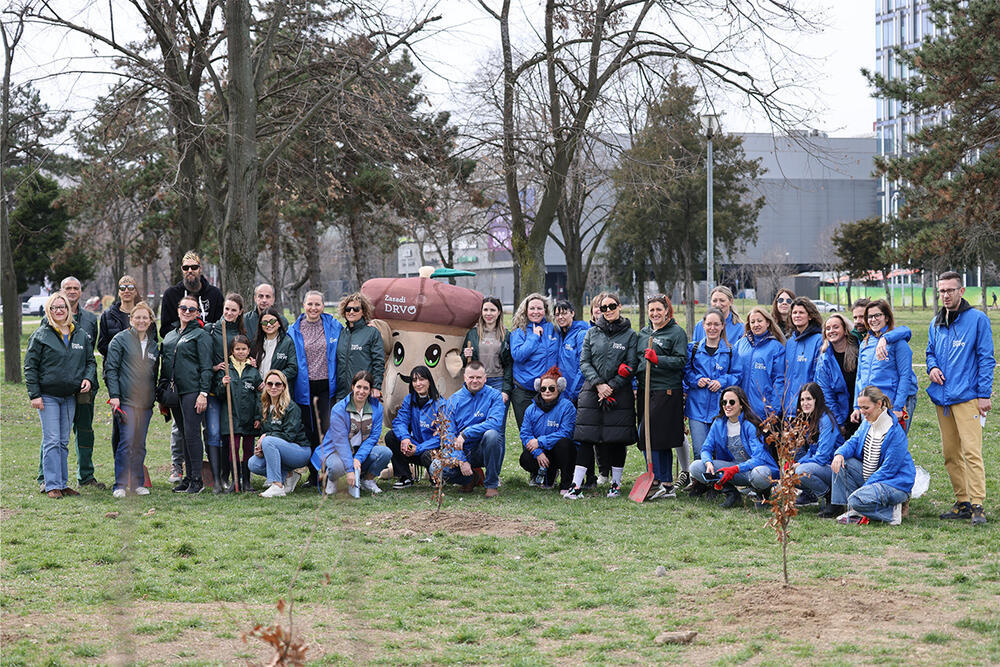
column 453, row 522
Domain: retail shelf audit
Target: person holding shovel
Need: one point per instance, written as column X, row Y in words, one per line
column 243, row 380
column 666, row 354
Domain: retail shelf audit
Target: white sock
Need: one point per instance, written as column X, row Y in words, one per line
column 578, row 474
column 616, row 475
column 683, row 458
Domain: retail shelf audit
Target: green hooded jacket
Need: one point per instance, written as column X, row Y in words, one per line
column 670, row 344
column 288, row 428
column 55, row 368
column 187, row 358
column 359, row 349
column 130, row 374
column 246, row 401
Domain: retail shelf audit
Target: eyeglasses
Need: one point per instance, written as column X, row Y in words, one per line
column 352, row 309
column 275, row 384
column 546, row 389
column 188, row 309
column 58, row 308
column 784, row 299
column 950, row 290
column 269, row 322
column 730, row 402
column 190, row 267
column 875, row 316
column 126, row 288
column 610, row 307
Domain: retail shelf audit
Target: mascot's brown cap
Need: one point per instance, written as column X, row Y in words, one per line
column 423, row 300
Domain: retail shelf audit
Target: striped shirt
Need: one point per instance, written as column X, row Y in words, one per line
column 872, row 451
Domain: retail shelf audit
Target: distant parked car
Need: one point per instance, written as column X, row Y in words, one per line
column 826, row 307
column 35, row 305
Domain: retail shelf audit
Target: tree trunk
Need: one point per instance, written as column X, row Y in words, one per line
column 849, row 302
column 923, row 289
column 8, row 279
column 356, row 233
column 529, row 268
column 239, row 238
column 688, row 270
column 640, row 295
column 276, row 263
column 313, row 273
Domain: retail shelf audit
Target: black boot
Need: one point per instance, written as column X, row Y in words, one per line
column 228, row 479
column 698, row 489
column 214, row 460
column 831, row 511
column 732, row 496
column 245, row 486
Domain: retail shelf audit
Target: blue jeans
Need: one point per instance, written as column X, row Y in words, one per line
column 759, row 478
column 57, row 423
column 875, row 501
column 663, row 464
column 131, row 453
column 488, row 454
column 280, row 456
column 213, row 422
column 378, row 459
column 816, row 478
column 699, row 433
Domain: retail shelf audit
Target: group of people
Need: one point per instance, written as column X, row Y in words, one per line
column 262, row 397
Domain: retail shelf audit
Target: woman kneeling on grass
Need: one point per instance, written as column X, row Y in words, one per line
column 351, row 443
column 547, row 433
column 284, row 446
column 734, row 453
column 823, row 436
column 873, row 472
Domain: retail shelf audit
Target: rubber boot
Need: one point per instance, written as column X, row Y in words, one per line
column 227, row 472
column 245, row 486
column 732, row 496
column 214, row 460
column 831, row 511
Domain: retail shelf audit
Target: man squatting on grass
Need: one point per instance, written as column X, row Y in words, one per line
column 960, row 363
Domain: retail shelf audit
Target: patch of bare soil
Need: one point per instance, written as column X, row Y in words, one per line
column 6, row 513
column 458, row 523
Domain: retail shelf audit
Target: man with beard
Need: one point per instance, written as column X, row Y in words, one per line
column 195, row 285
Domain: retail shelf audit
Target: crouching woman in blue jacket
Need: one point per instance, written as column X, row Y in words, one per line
column 356, row 421
column 413, row 437
column 734, row 454
column 547, row 433
column 823, row 435
column 873, row 472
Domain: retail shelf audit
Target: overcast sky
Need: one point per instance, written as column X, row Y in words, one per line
column 465, row 37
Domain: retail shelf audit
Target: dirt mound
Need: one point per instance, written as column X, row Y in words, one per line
column 458, row 523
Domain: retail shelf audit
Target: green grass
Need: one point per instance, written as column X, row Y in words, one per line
column 182, row 584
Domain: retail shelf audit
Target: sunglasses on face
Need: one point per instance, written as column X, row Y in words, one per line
column 190, row 267
column 352, row 309
column 268, row 323
column 610, row 307
column 784, row 300
column 546, row 389
column 126, row 288
column 730, row 402
column 275, row 384
column 187, row 309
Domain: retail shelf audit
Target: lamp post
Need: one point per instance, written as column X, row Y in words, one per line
column 710, row 123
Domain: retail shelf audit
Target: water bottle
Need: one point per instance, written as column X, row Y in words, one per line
column 540, row 476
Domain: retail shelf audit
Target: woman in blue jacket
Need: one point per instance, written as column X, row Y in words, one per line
column 709, row 369
column 722, row 300
column 357, row 422
column 733, row 453
column 891, row 371
column 837, row 370
column 534, row 347
column 759, row 358
column 823, row 435
column 547, row 434
column 315, row 335
column 873, row 472
column 801, row 351
column 413, row 437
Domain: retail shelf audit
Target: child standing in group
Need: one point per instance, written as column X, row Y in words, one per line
column 243, row 380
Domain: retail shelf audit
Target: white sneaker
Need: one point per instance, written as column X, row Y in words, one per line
column 142, row 491
column 291, row 480
column 573, row 493
column 119, row 493
column 273, row 491
column 897, row 514
column 370, row 485
column 602, row 480
column 331, row 485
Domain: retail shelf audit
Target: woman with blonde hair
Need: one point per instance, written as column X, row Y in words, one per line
column 722, row 298
column 837, row 369
column 58, row 364
column 534, row 347
column 360, row 346
column 873, row 472
column 283, row 447
column 759, row 361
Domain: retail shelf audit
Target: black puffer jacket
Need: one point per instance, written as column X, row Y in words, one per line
column 605, row 347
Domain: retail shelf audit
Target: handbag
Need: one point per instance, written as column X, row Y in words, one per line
column 166, row 390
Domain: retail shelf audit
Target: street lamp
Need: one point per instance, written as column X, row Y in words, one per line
column 710, row 123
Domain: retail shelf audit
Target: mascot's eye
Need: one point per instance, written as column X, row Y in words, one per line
column 397, row 353
column 432, row 355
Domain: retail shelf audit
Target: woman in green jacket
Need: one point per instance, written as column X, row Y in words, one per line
column 130, row 372
column 186, row 360
column 666, row 354
column 58, row 364
column 489, row 343
column 272, row 348
column 243, row 381
column 284, row 446
column 359, row 347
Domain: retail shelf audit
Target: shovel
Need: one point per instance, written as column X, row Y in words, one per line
column 645, row 480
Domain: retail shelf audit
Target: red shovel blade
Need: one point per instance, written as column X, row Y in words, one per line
column 641, row 486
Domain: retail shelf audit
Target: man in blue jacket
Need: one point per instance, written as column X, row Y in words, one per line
column 475, row 414
column 960, row 363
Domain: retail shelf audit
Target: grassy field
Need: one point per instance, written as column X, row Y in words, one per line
column 527, row 578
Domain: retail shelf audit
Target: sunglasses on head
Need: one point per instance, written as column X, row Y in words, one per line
column 729, row 402
column 126, row 288
column 547, row 388
column 188, row 309
column 611, row 306
column 352, row 309
column 274, row 384
column 269, row 322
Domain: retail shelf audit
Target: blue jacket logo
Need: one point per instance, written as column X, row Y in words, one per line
column 759, row 366
column 958, row 343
